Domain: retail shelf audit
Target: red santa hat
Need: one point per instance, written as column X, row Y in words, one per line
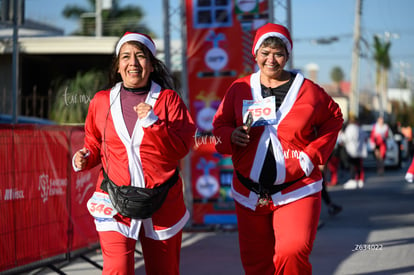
column 272, row 30
column 138, row 37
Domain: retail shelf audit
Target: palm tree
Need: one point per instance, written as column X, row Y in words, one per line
column 115, row 21
column 383, row 65
column 73, row 96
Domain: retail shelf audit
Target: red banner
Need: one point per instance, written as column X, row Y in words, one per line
column 83, row 184
column 7, row 226
column 219, row 41
column 39, row 193
column 43, row 203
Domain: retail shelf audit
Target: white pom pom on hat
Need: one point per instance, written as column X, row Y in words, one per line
column 272, row 30
column 138, row 37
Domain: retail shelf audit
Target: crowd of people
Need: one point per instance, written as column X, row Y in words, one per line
column 355, row 144
column 139, row 129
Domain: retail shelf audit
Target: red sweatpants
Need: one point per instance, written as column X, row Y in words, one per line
column 278, row 240
column 332, row 166
column 160, row 257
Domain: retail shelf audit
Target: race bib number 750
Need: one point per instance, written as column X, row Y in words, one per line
column 263, row 111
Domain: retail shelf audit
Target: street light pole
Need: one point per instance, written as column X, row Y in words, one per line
column 98, row 18
column 167, row 37
column 354, row 93
column 15, row 62
column 289, row 26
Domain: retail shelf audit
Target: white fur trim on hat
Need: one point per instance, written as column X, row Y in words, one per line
column 138, row 38
column 272, row 34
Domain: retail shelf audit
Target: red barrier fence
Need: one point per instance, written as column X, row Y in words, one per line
column 43, row 213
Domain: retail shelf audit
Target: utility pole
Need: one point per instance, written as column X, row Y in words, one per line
column 284, row 17
column 354, row 93
column 167, row 37
column 289, row 26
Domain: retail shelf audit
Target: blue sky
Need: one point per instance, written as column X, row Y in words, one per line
column 311, row 19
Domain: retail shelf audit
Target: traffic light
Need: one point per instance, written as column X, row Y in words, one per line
column 7, row 11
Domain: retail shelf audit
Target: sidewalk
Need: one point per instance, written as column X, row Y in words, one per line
column 373, row 235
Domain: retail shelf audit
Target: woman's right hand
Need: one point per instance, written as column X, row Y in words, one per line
column 81, row 158
column 142, row 109
column 240, row 136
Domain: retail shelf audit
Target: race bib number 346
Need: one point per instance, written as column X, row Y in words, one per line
column 100, row 206
column 263, row 111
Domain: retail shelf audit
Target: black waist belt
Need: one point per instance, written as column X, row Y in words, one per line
column 262, row 189
column 166, row 185
column 137, row 202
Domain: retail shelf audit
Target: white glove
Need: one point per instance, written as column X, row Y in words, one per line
column 305, row 163
column 409, row 177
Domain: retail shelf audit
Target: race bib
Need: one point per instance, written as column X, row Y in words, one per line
column 263, row 111
column 100, row 206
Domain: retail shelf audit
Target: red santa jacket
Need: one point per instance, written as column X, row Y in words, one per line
column 409, row 175
column 307, row 121
column 146, row 159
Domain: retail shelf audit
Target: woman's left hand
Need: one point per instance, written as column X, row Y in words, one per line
column 142, row 109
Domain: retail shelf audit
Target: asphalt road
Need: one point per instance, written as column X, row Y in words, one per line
column 373, row 235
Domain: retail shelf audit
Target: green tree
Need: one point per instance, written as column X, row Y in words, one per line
column 337, row 76
column 115, row 21
column 383, row 64
column 73, row 96
column 402, row 83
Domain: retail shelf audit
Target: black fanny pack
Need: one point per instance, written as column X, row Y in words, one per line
column 260, row 189
column 137, row 202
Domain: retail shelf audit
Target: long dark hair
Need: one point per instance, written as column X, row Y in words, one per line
column 161, row 75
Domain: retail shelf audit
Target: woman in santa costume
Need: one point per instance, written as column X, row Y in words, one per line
column 378, row 137
column 139, row 130
column 409, row 175
column 294, row 127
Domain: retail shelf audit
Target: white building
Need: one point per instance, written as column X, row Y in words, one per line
column 400, row 95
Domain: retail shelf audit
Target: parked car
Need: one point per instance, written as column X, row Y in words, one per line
column 397, row 149
column 8, row 119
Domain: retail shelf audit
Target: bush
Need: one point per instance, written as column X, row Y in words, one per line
column 72, row 99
